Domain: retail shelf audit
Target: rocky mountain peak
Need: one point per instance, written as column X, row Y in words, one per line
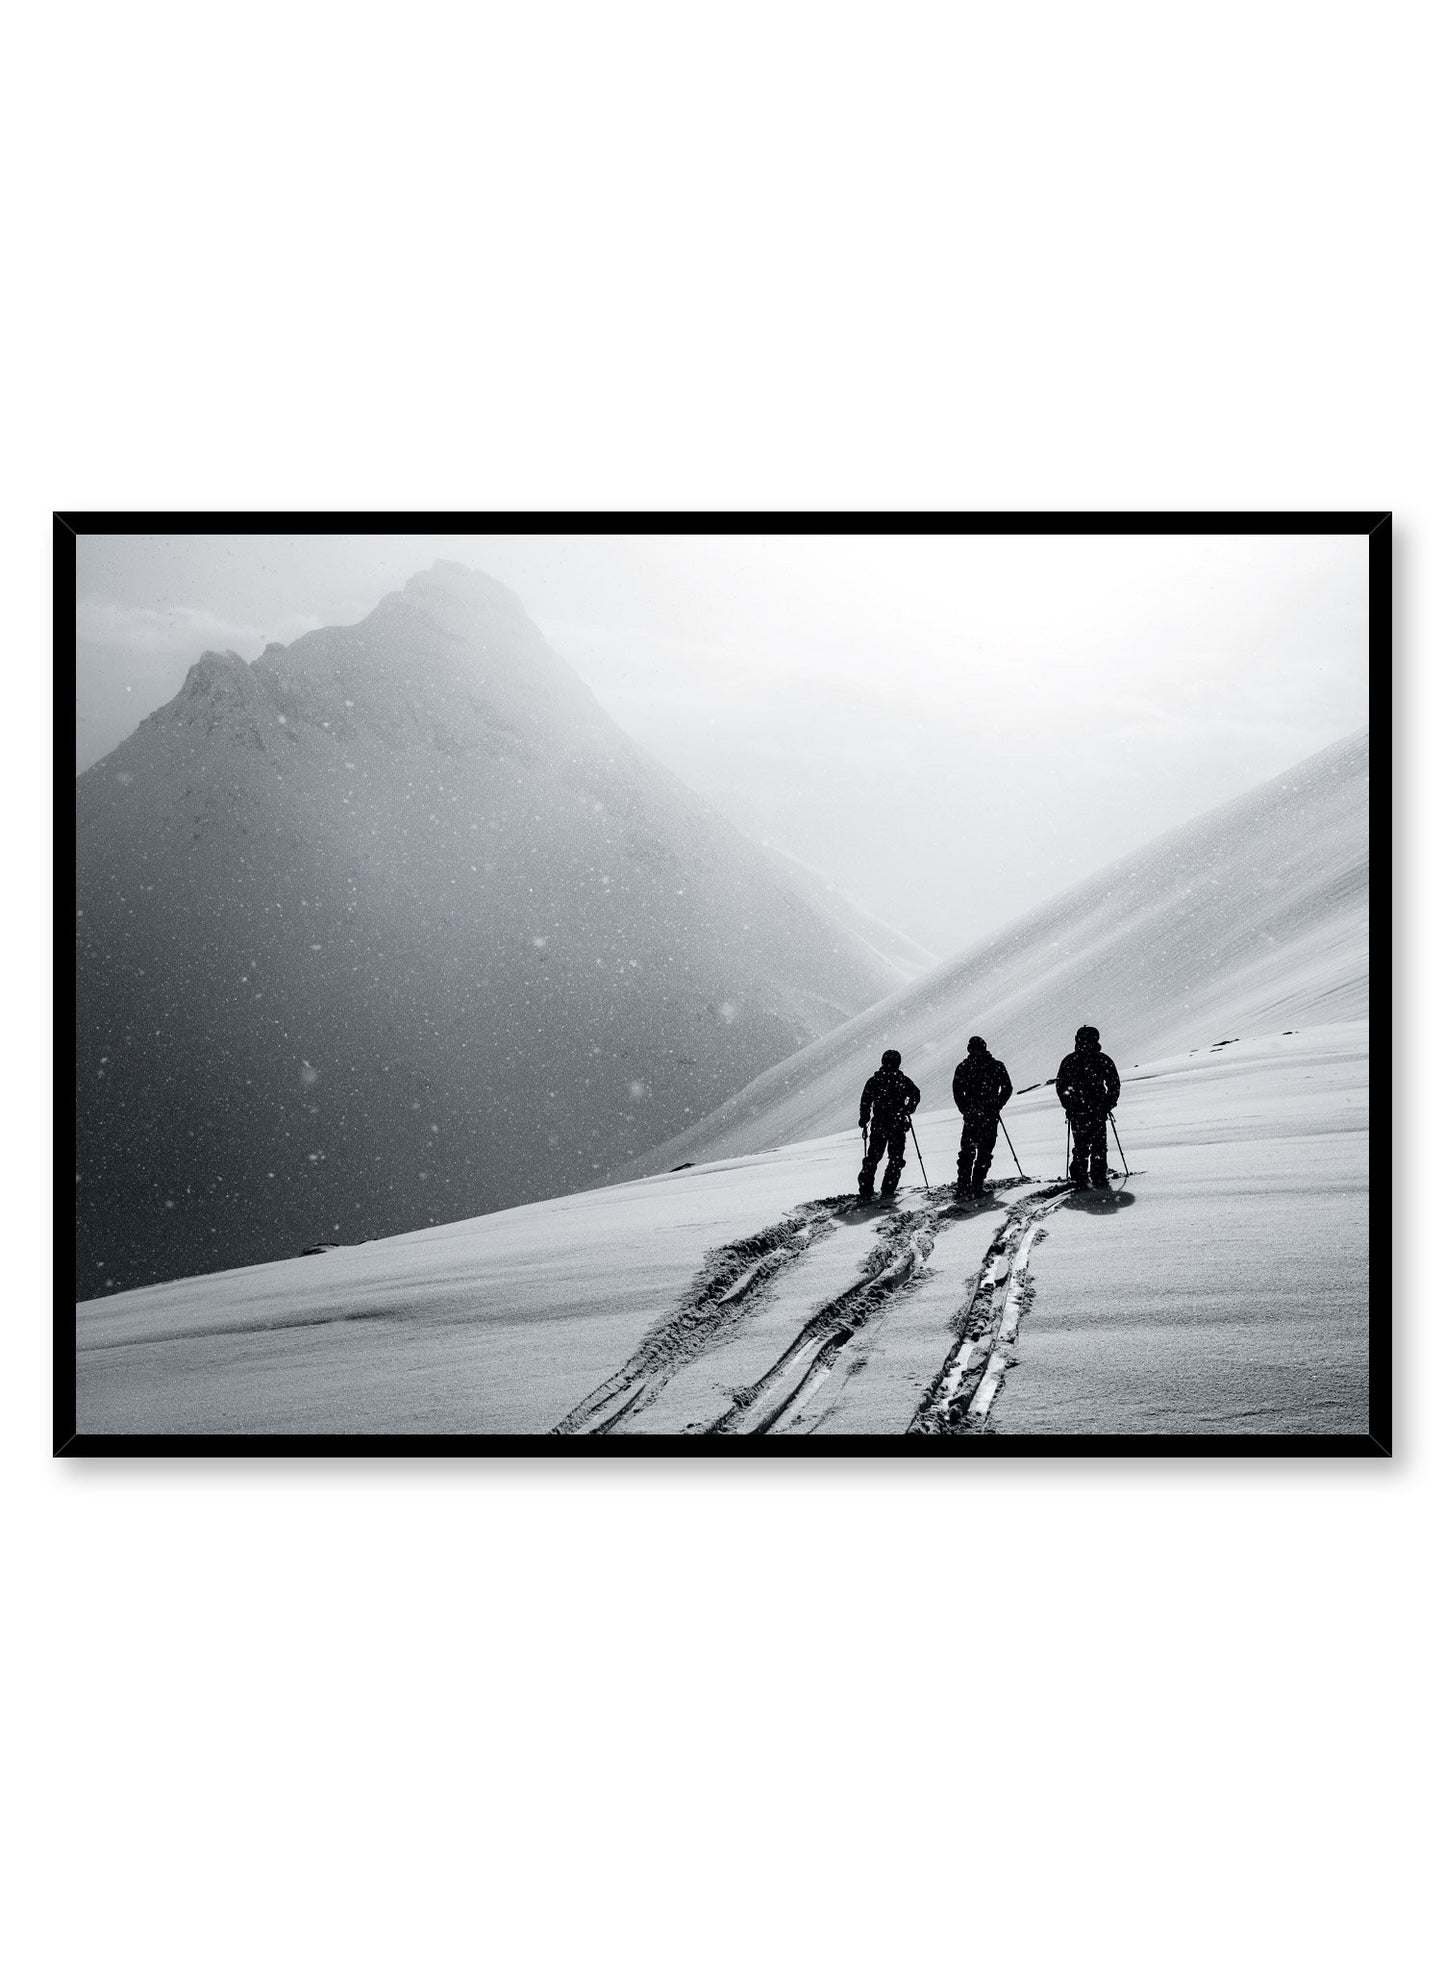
column 217, row 670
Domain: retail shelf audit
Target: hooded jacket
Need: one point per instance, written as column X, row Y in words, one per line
column 1088, row 1080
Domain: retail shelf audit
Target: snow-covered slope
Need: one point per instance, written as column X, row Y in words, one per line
column 395, row 925
column 1248, row 920
column 1221, row 1290
column 907, row 958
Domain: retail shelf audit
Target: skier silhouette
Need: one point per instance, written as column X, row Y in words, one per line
column 981, row 1088
column 1088, row 1087
column 889, row 1098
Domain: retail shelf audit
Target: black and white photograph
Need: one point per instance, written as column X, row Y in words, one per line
column 774, row 985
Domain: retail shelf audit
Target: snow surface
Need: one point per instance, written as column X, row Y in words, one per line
column 1223, row 1289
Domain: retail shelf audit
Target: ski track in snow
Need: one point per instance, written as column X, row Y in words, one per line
column 733, row 1283
column 738, row 1279
column 963, row 1392
column 777, row 1399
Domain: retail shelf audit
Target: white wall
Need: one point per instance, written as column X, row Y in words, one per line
column 797, row 256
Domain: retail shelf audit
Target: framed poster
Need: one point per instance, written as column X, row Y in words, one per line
column 720, row 983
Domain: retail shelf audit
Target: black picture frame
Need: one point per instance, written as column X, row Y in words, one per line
column 69, row 1441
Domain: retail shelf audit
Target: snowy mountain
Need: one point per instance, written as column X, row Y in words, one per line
column 394, row 926
column 1249, row 920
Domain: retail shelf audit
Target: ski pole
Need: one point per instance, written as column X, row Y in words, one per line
column 1067, row 1143
column 918, row 1152
column 1117, row 1143
column 1011, row 1149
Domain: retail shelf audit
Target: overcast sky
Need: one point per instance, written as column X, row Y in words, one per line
column 950, row 729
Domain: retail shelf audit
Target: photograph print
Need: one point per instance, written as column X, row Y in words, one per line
column 720, row 984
